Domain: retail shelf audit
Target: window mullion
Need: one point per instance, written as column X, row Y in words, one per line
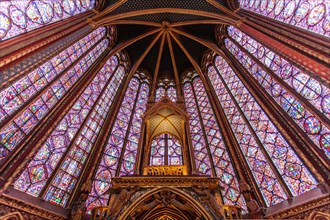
column 55, row 172
column 122, row 153
column 203, row 131
column 269, row 160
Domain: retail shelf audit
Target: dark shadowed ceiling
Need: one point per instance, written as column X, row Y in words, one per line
column 133, row 18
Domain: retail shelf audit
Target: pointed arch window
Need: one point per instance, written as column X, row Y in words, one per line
column 280, row 80
column 119, row 154
column 25, row 103
column 209, row 148
column 63, row 155
column 21, row 16
column 171, row 93
column 267, row 152
column 71, row 168
column 165, row 150
column 312, row 15
column 166, row 86
column 129, row 156
column 160, row 92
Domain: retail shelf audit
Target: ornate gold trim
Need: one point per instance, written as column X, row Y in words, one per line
column 12, row 216
column 29, row 208
column 100, row 212
column 317, row 215
column 165, row 181
column 196, row 204
column 319, row 202
column 165, row 170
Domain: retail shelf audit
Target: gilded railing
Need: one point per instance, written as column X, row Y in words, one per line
column 100, row 213
column 231, row 212
column 172, row 170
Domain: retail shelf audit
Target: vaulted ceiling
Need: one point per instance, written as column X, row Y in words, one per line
column 166, row 37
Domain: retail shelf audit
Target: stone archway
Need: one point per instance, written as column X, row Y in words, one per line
column 318, row 215
column 165, row 203
column 13, row 216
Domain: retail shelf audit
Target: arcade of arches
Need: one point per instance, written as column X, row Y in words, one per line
column 167, row 110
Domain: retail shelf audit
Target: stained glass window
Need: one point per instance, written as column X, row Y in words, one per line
column 40, row 169
column 165, row 150
column 269, row 186
column 313, row 91
column 238, row 104
column 73, row 163
column 21, row 16
column 312, row 15
column 129, row 159
column 31, row 98
column 207, row 140
column 160, row 93
column 166, row 87
column 171, row 93
column 124, row 134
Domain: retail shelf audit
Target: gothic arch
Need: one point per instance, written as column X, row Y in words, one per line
column 164, row 110
column 251, row 115
column 163, row 117
column 13, row 216
column 129, row 212
column 318, row 215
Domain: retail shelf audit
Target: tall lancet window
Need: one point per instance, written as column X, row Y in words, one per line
column 171, row 93
column 160, row 93
column 122, row 141
column 21, row 16
column 63, row 155
column 166, row 86
column 304, row 99
column 26, row 102
column 273, row 162
column 210, row 151
column 165, row 150
column 312, row 15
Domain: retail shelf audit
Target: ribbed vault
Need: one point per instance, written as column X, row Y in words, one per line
column 94, row 93
column 166, row 37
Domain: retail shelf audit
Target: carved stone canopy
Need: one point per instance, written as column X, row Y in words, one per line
column 153, row 197
column 165, row 116
column 159, row 203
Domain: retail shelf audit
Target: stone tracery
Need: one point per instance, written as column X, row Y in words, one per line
column 102, row 121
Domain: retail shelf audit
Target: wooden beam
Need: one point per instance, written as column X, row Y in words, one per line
column 123, row 45
column 148, row 23
column 191, row 59
column 175, row 69
column 109, row 9
column 160, row 52
column 195, row 22
column 224, row 8
column 106, row 20
column 208, row 44
column 138, row 62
